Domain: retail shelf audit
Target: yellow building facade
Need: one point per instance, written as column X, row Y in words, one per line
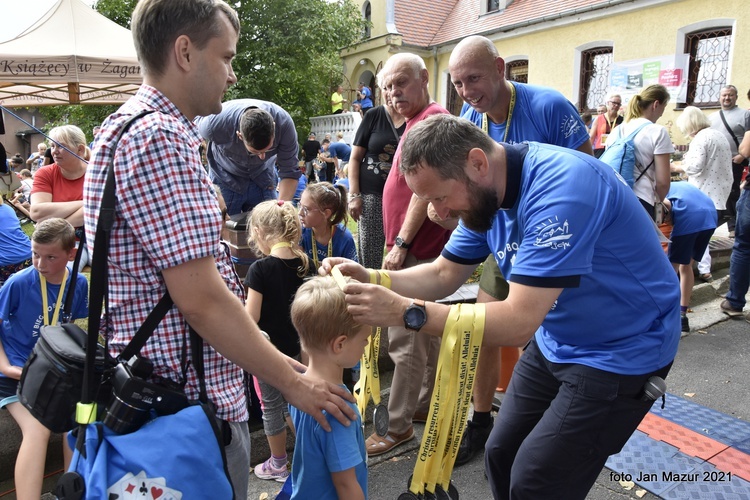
column 568, row 44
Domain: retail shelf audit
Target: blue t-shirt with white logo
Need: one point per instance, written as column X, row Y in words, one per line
column 692, row 210
column 540, row 114
column 568, row 222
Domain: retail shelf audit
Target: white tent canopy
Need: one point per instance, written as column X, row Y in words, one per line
column 70, row 55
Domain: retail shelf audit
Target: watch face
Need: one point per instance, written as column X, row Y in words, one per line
column 415, row 317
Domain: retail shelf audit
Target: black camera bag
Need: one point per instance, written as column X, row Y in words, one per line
column 52, row 377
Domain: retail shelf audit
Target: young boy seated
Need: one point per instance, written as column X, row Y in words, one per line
column 328, row 465
column 22, row 314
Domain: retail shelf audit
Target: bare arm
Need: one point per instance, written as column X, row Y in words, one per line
column 592, row 132
column 415, row 217
column 218, row 316
column 346, row 485
column 744, row 147
column 42, row 208
column 587, row 148
column 355, row 162
column 253, row 303
column 661, row 164
column 511, row 322
column 6, row 368
column 287, row 188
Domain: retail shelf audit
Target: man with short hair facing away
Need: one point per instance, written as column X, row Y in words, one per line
column 411, row 238
column 509, row 112
column 247, row 140
column 577, row 394
column 172, row 242
column 737, row 123
column 310, row 149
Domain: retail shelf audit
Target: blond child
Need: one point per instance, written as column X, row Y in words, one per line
column 21, row 316
column 328, row 465
column 272, row 282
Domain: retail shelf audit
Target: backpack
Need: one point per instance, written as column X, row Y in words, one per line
column 620, row 155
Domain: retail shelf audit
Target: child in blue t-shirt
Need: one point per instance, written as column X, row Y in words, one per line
column 694, row 219
column 328, row 465
column 323, row 211
column 30, row 299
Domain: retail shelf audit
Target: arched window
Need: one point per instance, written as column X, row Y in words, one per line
column 708, row 69
column 594, row 81
column 367, row 12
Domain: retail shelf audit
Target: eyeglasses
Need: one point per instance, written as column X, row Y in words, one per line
column 615, row 103
column 303, row 210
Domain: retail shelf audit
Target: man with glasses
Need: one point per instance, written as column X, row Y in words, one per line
column 246, row 141
column 604, row 123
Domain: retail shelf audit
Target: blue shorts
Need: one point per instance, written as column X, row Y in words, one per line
column 689, row 246
column 8, row 391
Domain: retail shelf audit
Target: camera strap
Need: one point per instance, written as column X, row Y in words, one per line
column 99, row 272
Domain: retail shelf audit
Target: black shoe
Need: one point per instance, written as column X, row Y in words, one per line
column 472, row 441
column 685, row 323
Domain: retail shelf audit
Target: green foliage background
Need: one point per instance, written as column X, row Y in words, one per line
column 288, row 53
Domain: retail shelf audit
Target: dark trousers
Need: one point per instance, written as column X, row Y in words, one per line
column 557, row 425
column 734, row 196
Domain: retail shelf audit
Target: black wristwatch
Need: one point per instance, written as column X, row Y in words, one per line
column 401, row 243
column 415, row 315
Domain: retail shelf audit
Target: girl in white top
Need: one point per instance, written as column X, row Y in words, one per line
column 653, row 145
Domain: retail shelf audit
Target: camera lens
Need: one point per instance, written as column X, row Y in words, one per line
column 124, row 418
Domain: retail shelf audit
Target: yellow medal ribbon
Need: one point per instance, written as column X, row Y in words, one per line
column 315, row 246
column 485, row 125
column 282, row 244
column 45, row 306
column 451, row 396
column 368, row 385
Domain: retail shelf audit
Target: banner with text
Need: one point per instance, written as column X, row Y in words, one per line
column 628, row 78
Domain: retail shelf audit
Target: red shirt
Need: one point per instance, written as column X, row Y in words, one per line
column 431, row 238
column 49, row 179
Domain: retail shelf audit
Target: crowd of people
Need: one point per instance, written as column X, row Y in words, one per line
column 513, row 185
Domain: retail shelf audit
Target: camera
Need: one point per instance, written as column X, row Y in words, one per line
column 133, row 398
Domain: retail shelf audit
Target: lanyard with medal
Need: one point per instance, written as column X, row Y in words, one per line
column 454, row 381
column 314, row 245
column 485, row 124
column 45, row 304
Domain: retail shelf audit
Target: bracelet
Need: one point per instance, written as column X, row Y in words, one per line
column 379, row 277
column 354, row 196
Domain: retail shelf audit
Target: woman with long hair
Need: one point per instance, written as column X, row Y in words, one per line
column 652, row 145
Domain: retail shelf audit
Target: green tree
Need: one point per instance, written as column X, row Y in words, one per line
column 288, row 53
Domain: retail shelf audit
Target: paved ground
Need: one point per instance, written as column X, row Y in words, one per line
column 711, row 370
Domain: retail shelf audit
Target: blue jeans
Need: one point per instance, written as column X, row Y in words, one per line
column 558, row 424
column 244, row 202
column 739, row 269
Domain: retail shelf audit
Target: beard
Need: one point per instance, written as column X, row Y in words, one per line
column 483, row 208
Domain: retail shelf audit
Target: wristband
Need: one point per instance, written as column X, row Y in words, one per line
column 378, row 277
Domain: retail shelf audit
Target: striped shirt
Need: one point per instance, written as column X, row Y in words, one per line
column 167, row 214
